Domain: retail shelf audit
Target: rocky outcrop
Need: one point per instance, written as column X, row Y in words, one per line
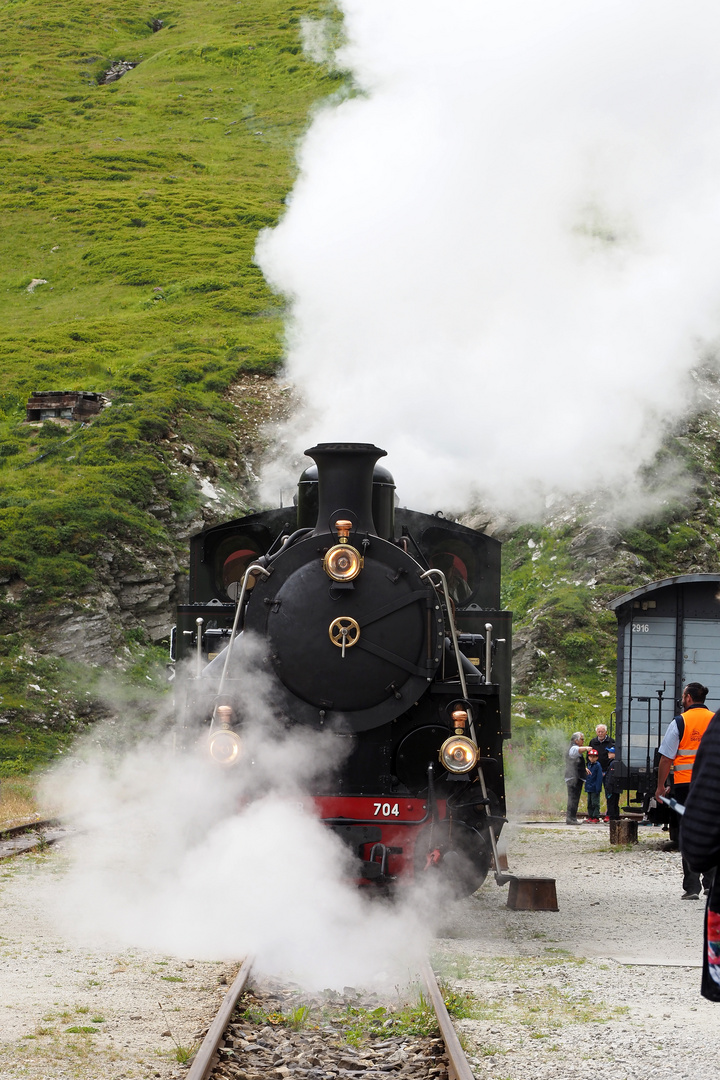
column 529, row 661
column 117, row 69
column 596, row 543
column 135, row 591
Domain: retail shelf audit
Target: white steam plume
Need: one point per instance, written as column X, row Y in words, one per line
column 502, row 257
column 177, row 855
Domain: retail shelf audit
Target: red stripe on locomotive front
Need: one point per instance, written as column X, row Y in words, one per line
column 400, row 820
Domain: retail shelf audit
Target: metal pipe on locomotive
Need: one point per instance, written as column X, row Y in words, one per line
column 376, row 624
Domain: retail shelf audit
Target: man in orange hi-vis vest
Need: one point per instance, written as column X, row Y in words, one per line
column 677, row 754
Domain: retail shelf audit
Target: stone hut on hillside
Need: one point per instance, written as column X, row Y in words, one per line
column 63, row 405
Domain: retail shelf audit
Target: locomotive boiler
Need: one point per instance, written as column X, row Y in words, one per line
column 376, row 624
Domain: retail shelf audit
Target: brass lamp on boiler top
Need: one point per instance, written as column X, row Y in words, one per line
column 343, row 562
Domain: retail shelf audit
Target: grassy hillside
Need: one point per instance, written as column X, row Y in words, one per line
column 138, row 203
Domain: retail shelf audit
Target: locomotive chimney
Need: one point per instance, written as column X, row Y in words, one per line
column 345, row 484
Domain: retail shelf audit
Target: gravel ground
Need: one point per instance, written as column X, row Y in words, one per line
column 139, row 1007
column 607, row 985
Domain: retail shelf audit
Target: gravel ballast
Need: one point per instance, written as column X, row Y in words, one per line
column 135, row 1007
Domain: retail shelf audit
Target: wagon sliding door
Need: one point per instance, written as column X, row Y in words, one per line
column 701, row 657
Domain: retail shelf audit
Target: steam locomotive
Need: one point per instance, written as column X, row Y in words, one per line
column 375, row 623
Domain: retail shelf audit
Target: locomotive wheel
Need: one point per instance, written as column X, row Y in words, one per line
column 458, row 853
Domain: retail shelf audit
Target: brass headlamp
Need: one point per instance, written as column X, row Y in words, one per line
column 458, row 754
column 343, row 562
column 224, row 744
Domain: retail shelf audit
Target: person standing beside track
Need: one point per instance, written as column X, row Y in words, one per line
column 677, row 754
column 593, row 786
column 700, row 844
column 575, row 773
column 603, row 744
column 612, row 791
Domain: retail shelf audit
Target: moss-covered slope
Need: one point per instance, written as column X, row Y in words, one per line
column 129, row 213
column 559, row 578
column 138, row 203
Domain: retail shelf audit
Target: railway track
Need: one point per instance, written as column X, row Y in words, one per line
column 274, row 1032
column 36, row 834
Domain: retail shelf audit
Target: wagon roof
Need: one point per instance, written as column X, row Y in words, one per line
column 679, row 579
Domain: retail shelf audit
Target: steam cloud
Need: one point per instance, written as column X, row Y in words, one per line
column 502, row 255
column 503, row 260
column 176, row 855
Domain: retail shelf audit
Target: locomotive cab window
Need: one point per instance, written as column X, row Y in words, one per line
column 232, row 559
column 458, row 562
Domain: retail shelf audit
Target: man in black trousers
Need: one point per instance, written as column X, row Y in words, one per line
column 700, row 845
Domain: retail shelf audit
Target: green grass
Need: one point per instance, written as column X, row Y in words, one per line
column 530, row 995
column 17, row 801
column 139, row 202
column 46, row 702
column 355, row 1024
column 544, row 585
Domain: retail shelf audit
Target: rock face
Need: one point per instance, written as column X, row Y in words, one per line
column 135, row 592
column 529, row 661
column 597, row 544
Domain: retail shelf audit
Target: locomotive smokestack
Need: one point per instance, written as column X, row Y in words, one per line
column 345, row 484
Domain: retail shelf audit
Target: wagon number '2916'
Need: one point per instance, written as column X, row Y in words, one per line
column 385, row 809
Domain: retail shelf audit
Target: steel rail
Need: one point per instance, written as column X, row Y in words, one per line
column 458, row 1067
column 24, row 839
column 30, row 826
column 204, row 1059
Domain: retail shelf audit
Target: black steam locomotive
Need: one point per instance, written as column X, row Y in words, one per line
column 376, row 623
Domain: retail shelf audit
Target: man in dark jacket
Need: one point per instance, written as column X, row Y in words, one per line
column 603, row 744
column 700, row 845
